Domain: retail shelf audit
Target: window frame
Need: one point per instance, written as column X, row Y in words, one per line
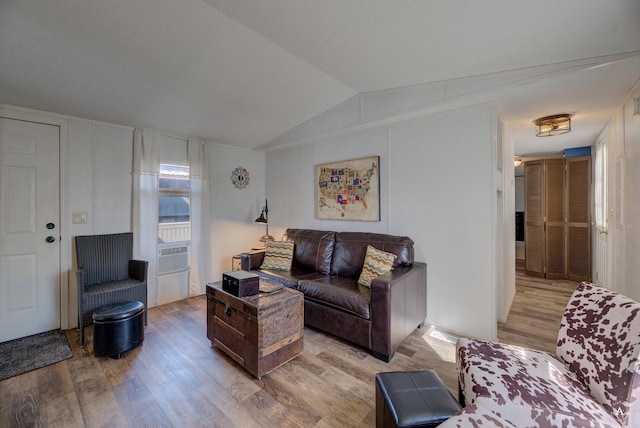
column 600, row 185
column 174, row 192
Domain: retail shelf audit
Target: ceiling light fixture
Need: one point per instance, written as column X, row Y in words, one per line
column 553, row 125
column 517, row 162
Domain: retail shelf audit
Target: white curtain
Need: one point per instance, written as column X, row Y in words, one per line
column 146, row 166
column 201, row 270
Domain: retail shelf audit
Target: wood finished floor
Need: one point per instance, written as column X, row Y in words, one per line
column 177, row 379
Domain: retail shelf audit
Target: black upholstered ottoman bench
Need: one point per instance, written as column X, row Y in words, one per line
column 413, row 399
column 117, row 328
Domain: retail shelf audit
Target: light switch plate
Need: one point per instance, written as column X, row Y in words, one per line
column 79, row 217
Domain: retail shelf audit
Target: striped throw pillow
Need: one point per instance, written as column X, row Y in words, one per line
column 376, row 262
column 278, row 255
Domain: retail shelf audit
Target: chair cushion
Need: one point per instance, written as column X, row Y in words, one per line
column 278, row 255
column 521, row 383
column 599, row 340
column 376, row 263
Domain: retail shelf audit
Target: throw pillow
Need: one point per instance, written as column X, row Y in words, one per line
column 278, row 255
column 376, row 262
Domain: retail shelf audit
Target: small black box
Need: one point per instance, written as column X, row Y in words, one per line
column 240, row 283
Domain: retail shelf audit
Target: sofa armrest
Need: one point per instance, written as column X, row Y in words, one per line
column 398, row 306
column 252, row 260
column 138, row 269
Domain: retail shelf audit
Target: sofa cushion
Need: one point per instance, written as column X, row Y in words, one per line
column 532, row 382
column 338, row 292
column 351, row 247
column 313, row 249
column 278, row 255
column 288, row 278
column 376, row 263
column 599, row 340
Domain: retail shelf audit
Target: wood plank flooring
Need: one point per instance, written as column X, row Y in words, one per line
column 177, row 379
column 536, row 311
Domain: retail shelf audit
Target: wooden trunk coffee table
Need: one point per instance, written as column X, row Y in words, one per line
column 259, row 332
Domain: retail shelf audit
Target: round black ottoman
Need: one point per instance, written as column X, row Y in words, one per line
column 117, row 328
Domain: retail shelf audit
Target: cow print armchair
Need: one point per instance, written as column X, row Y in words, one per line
column 592, row 380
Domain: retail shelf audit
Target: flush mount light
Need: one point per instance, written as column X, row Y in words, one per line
column 553, row 125
column 517, row 162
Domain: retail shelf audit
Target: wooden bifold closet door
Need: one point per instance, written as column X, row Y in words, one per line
column 534, row 208
column 578, row 240
column 557, row 233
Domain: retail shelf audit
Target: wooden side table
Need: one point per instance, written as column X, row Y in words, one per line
column 236, row 261
column 259, row 332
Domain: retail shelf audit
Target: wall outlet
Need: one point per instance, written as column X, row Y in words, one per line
column 79, row 217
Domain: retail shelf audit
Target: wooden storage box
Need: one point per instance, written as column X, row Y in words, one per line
column 260, row 332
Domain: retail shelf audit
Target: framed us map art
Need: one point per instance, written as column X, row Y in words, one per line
column 348, row 190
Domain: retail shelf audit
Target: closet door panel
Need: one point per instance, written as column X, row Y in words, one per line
column 578, row 254
column 578, row 230
column 534, row 218
column 555, row 221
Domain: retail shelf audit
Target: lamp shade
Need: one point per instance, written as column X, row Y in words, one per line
column 553, row 125
column 261, row 219
column 264, row 219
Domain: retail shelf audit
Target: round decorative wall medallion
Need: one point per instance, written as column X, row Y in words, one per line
column 240, row 177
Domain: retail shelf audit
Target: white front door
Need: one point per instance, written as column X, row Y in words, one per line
column 29, row 228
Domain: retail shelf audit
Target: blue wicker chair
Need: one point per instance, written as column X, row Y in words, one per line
column 107, row 274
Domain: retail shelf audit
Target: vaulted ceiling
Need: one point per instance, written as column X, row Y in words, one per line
column 242, row 72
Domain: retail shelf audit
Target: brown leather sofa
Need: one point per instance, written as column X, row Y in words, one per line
column 325, row 268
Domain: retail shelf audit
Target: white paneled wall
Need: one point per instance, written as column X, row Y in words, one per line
column 96, row 178
column 616, row 256
column 234, row 210
column 437, row 187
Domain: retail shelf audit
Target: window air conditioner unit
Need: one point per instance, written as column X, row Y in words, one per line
column 173, row 259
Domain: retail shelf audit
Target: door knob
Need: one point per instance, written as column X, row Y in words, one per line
column 50, row 239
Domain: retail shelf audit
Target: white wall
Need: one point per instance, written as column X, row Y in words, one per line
column 437, row 187
column 631, row 194
column 622, row 135
column 96, row 178
column 98, row 183
column 234, row 210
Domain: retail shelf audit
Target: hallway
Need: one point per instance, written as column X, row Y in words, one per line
column 536, row 312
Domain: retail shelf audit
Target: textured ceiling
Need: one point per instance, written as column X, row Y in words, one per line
column 242, row 72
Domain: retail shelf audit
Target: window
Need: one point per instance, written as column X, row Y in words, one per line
column 174, row 220
column 600, row 185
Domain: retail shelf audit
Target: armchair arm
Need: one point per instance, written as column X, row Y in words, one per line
column 80, row 280
column 251, row 261
column 398, row 306
column 138, row 269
